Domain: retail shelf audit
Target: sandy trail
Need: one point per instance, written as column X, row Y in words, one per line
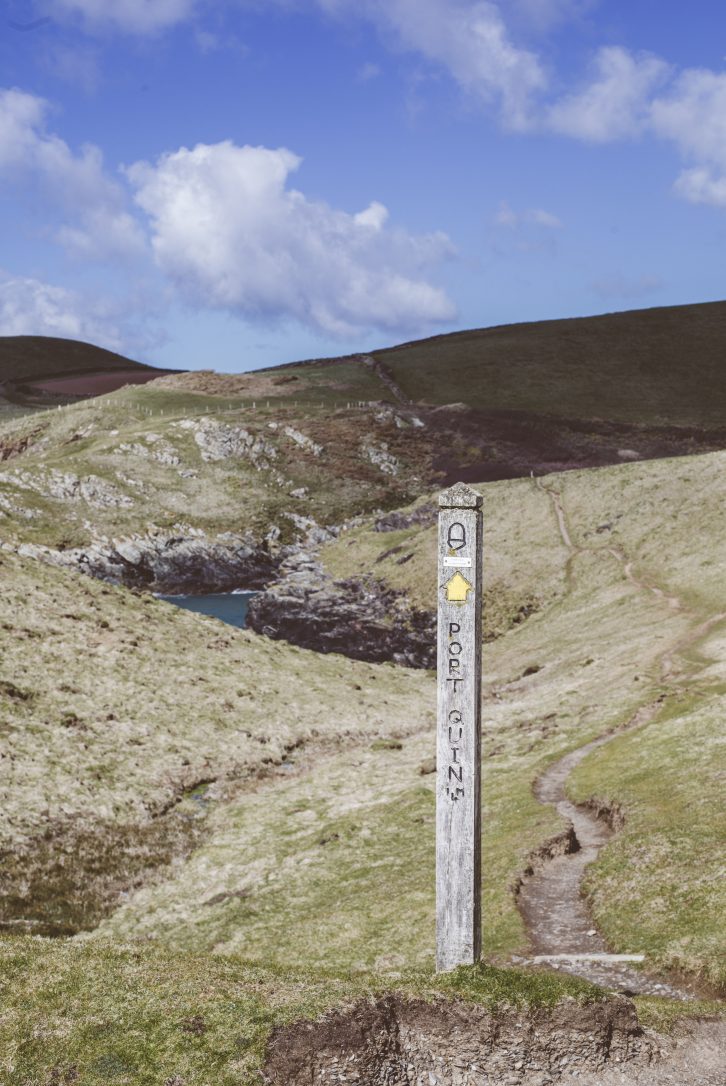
column 558, row 921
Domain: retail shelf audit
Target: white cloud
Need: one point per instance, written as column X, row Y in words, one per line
column 231, row 235
column 133, row 16
column 469, row 39
column 375, row 216
column 616, row 103
column 693, row 116
column 627, row 98
column 31, row 307
column 543, row 218
column 702, row 185
column 75, row 185
column 536, row 216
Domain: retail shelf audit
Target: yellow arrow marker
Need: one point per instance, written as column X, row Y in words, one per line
column 457, row 588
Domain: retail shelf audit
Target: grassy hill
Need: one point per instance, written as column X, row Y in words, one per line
column 663, row 366
column 351, row 741
column 205, row 834
column 200, row 797
column 26, row 358
column 43, row 371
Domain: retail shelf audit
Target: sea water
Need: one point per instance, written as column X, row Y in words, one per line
column 229, row 607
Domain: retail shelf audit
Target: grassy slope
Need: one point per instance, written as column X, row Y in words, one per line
column 125, row 1014
column 649, row 367
column 646, row 366
column 114, row 706
column 667, row 518
column 318, row 886
column 592, row 634
column 343, row 880
column 24, row 358
column 108, row 439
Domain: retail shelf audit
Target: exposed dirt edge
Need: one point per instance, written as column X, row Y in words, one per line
column 452, row 1043
column 605, row 811
column 562, row 844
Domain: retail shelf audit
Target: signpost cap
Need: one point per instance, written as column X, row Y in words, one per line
column 460, row 496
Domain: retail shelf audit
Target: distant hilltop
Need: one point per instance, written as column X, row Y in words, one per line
column 662, row 367
column 45, row 370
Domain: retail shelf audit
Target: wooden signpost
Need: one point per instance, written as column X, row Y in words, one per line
column 458, row 751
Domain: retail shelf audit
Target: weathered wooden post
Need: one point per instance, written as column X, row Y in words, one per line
column 458, row 748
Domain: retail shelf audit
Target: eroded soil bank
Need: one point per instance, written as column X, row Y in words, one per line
column 394, row 1042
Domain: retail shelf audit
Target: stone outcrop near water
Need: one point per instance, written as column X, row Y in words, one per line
column 358, row 617
column 174, row 562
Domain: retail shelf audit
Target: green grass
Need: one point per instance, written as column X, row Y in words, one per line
column 110, row 1013
column 114, row 706
column 315, row 886
column 667, row 1015
column 25, row 358
column 656, row 889
column 658, row 366
column 132, row 704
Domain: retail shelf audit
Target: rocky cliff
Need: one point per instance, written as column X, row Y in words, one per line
column 358, row 617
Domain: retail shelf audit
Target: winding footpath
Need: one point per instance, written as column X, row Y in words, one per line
column 560, row 927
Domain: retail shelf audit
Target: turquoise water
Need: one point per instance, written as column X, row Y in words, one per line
column 229, row 607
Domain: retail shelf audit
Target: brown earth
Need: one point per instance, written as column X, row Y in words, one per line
column 392, row 1042
column 89, row 384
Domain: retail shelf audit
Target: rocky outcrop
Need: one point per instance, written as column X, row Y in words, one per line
column 380, row 457
column 183, row 560
column 358, row 617
column 384, row 375
column 422, row 516
column 11, row 447
column 219, row 441
column 65, row 486
column 302, row 440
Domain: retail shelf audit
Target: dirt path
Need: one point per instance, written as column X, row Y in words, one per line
column 385, row 376
column 559, row 924
column 558, row 921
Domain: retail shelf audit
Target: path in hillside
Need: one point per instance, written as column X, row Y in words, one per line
column 551, row 901
column 385, row 376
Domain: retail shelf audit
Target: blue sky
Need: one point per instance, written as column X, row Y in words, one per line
column 233, row 184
